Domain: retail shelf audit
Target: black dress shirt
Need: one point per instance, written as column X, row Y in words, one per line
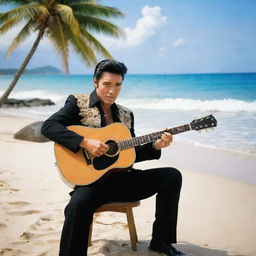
column 55, row 127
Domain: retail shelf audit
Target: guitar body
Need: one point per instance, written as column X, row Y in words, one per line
column 75, row 169
column 82, row 169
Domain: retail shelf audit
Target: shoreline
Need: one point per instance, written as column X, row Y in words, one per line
column 218, row 158
column 222, row 162
column 216, row 213
column 29, row 113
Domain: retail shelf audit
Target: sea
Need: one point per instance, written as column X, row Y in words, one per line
column 163, row 101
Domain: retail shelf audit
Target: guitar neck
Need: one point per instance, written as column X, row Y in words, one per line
column 152, row 137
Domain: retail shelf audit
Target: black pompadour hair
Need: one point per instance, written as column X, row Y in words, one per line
column 111, row 66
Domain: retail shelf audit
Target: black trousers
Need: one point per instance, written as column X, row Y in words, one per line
column 122, row 186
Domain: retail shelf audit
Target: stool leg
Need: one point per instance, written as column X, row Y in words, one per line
column 132, row 228
column 90, row 235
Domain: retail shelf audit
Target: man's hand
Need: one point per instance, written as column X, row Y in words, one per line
column 165, row 141
column 94, row 147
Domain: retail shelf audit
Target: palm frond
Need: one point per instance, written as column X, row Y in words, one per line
column 25, row 12
column 8, row 25
column 67, row 22
column 83, row 49
column 23, row 34
column 58, row 36
column 41, row 9
column 67, row 16
column 99, row 25
column 3, row 2
column 94, row 9
column 68, row 2
column 96, row 44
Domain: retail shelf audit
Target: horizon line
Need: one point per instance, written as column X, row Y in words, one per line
column 189, row 73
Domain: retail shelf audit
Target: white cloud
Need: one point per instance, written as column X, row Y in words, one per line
column 178, row 42
column 145, row 28
column 7, row 38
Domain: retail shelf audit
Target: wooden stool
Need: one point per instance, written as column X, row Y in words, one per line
column 125, row 207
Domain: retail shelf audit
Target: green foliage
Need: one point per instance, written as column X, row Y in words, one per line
column 68, row 24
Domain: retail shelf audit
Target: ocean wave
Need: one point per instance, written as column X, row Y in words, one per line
column 43, row 94
column 229, row 105
column 183, row 104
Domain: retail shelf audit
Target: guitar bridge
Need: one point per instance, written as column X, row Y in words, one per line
column 87, row 157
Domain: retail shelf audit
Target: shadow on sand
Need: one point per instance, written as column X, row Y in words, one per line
column 122, row 248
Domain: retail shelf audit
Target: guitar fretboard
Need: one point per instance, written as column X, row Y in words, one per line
column 152, row 137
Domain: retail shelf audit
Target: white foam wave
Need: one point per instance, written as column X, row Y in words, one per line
column 43, row 94
column 229, row 105
column 185, row 104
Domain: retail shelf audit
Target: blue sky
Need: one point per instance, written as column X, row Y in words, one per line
column 167, row 36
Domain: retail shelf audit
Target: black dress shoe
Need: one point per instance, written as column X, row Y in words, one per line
column 168, row 249
column 178, row 253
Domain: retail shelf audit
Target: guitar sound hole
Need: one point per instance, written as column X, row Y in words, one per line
column 110, row 157
column 113, row 148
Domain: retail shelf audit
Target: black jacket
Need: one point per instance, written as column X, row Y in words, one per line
column 54, row 128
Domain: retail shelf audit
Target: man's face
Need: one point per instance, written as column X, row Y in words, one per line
column 108, row 87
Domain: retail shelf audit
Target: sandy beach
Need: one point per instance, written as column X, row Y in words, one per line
column 216, row 214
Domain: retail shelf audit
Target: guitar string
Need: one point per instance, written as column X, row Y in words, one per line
column 149, row 137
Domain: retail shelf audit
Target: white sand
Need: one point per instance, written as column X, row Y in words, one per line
column 217, row 215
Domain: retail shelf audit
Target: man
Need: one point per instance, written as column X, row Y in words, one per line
column 98, row 110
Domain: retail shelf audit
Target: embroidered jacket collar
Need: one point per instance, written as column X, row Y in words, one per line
column 95, row 101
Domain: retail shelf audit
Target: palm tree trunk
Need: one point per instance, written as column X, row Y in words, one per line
column 22, row 68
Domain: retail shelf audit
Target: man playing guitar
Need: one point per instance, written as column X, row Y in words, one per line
column 98, row 110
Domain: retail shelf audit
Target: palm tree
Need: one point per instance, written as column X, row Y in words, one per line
column 67, row 23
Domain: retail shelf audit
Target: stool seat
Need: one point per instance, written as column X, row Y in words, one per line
column 117, row 206
column 124, row 207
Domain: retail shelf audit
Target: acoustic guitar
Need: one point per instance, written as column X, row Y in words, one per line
column 81, row 168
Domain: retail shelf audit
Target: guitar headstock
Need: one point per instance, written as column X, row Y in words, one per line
column 203, row 123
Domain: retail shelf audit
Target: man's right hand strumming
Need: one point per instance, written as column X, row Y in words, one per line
column 94, row 147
